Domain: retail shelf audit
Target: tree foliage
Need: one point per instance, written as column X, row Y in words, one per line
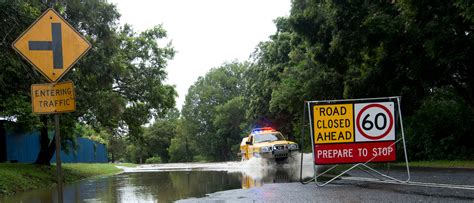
column 183, row 146
column 212, row 113
column 118, row 84
column 420, row 50
column 327, row 50
column 344, row 49
column 158, row 136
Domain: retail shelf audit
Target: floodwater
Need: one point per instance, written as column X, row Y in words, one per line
column 170, row 182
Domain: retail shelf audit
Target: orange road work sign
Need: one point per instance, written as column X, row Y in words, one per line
column 51, row 45
column 53, row 98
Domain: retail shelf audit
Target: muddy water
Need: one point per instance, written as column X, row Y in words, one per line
column 170, row 182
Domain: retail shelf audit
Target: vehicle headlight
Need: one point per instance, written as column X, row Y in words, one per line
column 293, row 146
column 265, row 149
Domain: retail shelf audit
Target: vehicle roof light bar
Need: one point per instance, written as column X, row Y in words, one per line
column 261, row 130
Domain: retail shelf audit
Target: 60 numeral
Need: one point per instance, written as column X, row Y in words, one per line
column 369, row 125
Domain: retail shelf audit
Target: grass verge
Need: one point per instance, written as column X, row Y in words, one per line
column 439, row 164
column 17, row 177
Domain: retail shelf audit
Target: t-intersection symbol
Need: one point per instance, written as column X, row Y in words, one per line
column 56, row 45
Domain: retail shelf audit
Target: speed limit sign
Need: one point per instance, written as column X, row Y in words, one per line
column 374, row 121
column 356, row 131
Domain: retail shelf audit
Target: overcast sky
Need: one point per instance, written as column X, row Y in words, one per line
column 205, row 33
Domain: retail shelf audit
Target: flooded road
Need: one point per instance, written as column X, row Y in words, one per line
column 257, row 180
column 171, row 182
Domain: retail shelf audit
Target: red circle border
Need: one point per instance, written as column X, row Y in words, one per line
column 383, row 134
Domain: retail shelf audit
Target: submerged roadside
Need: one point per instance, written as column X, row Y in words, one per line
column 18, row 177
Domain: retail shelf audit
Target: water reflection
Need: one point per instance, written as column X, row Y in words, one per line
column 142, row 187
column 170, row 186
column 169, row 182
column 257, row 178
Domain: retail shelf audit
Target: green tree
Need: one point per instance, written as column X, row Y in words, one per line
column 16, row 75
column 183, row 146
column 118, row 83
column 158, row 136
column 340, row 49
column 204, row 101
column 441, row 129
column 230, row 122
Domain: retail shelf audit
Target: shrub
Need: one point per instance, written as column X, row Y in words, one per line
column 441, row 129
column 153, row 160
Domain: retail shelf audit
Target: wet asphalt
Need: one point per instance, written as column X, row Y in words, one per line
column 426, row 185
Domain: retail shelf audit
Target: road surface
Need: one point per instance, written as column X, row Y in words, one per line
column 426, row 185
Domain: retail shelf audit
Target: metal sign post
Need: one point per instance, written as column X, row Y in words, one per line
column 58, row 157
column 355, row 131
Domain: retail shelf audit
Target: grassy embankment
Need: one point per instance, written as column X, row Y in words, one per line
column 439, row 164
column 22, row 177
column 413, row 164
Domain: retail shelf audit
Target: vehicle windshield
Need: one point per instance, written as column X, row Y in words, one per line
column 268, row 137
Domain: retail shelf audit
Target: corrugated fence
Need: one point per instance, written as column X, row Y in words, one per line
column 24, row 148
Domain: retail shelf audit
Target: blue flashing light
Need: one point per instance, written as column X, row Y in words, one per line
column 262, row 130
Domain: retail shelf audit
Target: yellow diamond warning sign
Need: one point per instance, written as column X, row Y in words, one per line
column 333, row 123
column 51, row 45
column 53, row 98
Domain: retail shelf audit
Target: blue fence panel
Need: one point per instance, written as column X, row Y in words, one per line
column 87, row 151
column 101, row 153
column 24, row 148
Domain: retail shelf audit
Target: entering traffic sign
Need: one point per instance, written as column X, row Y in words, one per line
column 51, row 45
column 53, row 98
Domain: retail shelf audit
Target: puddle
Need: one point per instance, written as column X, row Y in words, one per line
column 170, row 182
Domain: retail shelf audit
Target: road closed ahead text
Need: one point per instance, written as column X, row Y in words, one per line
column 333, row 123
